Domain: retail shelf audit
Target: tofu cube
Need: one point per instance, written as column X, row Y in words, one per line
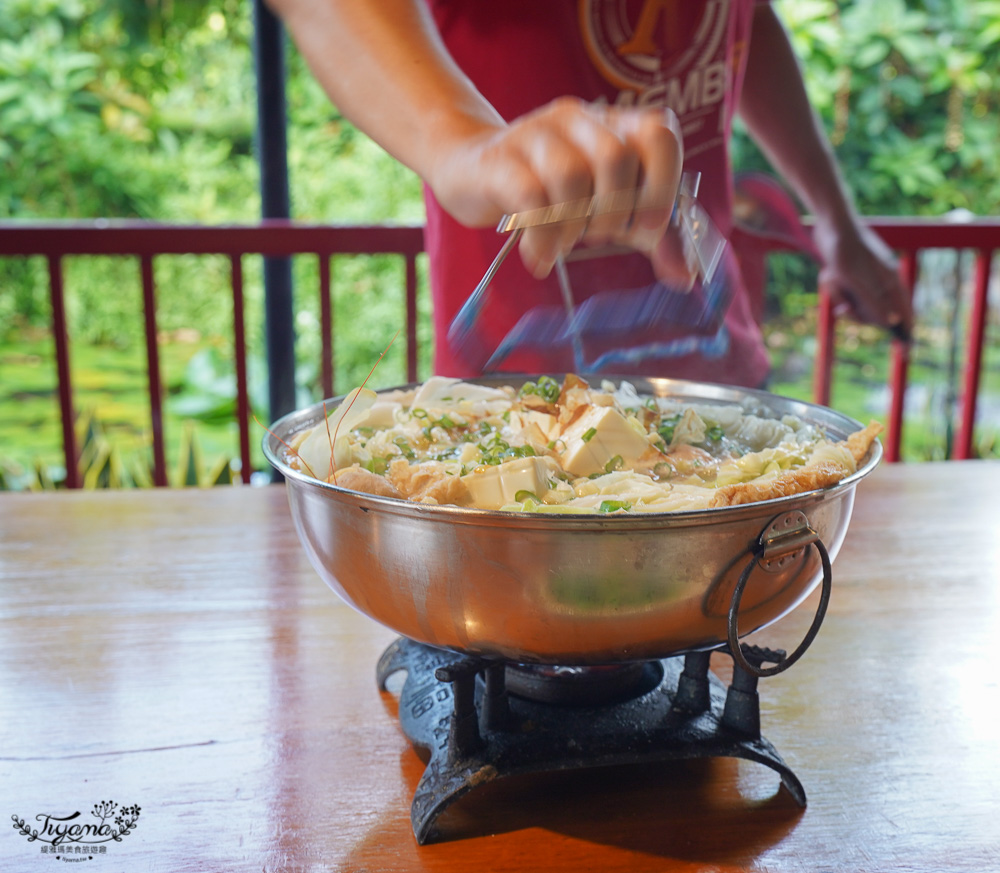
column 495, row 486
column 596, row 437
column 547, row 424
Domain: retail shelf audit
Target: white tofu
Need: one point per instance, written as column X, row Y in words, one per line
column 611, row 435
column 453, row 395
column 495, row 486
column 440, row 391
column 547, row 424
column 532, row 435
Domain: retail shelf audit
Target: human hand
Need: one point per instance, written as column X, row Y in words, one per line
column 863, row 276
column 566, row 150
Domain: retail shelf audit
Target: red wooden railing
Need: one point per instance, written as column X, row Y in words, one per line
column 54, row 241
column 909, row 237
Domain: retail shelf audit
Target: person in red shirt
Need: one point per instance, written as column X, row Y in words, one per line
column 507, row 107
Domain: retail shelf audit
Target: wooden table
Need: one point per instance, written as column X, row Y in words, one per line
column 173, row 650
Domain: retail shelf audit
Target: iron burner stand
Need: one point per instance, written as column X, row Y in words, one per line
column 476, row 729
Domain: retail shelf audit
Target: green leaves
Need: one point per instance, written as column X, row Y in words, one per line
column 920, row 84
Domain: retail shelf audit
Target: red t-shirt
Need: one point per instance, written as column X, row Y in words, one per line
column 685, row 54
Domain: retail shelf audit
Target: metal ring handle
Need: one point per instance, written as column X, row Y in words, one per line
column 734, row 610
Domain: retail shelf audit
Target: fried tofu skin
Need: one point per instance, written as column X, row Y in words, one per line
column 859, row 442
column 790, row 482
column 428, row 483
column 802, row 479
column 359, row 479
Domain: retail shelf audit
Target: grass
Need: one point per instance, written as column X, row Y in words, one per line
column 108, row 381
column 860, row 379
column 109, row 373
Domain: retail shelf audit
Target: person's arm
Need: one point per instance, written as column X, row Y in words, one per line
column 383, row 64
column 778, row 115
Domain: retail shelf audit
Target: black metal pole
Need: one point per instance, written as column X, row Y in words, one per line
column 279, row 324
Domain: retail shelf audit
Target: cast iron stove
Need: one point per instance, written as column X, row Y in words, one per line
column 481, row 720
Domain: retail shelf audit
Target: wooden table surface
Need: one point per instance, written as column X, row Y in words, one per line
column 173, row 650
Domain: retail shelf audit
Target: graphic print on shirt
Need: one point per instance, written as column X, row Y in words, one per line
column 688, row 54
column 666, row 53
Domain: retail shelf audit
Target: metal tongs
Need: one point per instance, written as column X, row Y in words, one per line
column 703, row 247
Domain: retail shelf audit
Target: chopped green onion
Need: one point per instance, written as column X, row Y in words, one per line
column 496, row 450
column 546, row 387
column 378, row 466
column 419, row 413
column 589, row 434
column 405, row 448
column 614, row 506
column 525, row 496
column 549, row 389
column 667, row 428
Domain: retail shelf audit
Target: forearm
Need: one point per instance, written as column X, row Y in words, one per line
column 383, row 65
column 858, row 267
column 778, row 115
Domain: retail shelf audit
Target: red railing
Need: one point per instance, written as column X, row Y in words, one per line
column 54, row 241
column 909, row 237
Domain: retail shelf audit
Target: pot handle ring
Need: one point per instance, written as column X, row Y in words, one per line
column 783, row 537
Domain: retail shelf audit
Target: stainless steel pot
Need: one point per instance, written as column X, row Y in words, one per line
column 574, row 589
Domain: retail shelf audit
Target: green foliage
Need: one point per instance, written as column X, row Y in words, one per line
column 103, row 464
column 124, row 109
column 57, row 99
column 910, row 95
column 118, row 108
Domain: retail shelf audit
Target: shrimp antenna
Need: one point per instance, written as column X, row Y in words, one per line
column 332, row 469
column 333, row 442
column 280, row 440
